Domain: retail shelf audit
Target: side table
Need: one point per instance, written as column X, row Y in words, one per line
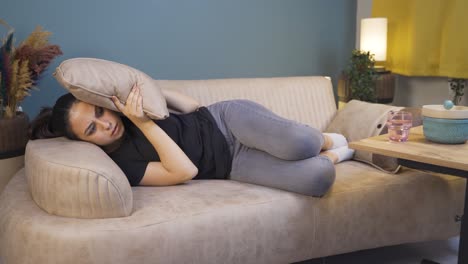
column 420, row 153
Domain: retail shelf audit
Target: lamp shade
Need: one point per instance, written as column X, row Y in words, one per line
column 374, row 37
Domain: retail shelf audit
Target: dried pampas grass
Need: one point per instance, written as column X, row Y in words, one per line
column 21, row 67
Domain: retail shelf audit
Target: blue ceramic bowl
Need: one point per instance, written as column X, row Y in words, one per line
column 446, row 131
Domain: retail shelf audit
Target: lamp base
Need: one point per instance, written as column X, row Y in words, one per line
column 380, row 69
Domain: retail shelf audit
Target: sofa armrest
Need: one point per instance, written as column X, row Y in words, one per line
column 76, row 179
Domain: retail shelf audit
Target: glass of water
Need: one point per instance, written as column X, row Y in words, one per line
column 399, row 124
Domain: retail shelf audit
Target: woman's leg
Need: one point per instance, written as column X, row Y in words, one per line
column 312, row 176
column 257, row 127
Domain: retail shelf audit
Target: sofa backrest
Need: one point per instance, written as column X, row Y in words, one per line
column 308, row 100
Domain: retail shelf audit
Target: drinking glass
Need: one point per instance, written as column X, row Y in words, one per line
column 399, row 124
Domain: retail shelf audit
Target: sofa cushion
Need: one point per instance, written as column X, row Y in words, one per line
column 76, row 179
column 359, row 120
column 95, row 81
column 224, row 221
column 368, row 208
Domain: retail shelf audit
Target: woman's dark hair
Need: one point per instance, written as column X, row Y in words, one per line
column 54, row 122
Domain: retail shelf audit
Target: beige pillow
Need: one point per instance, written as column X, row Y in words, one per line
column 76, row 179
column 359, row 120
column 95, row 81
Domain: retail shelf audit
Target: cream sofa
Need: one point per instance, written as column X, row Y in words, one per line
column 228, row 221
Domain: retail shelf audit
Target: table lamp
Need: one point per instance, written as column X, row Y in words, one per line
column 374, row 39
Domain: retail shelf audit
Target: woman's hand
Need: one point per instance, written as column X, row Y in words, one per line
column 133, row 108
column 175, row 166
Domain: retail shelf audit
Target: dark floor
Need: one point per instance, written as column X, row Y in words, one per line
column 443, row 252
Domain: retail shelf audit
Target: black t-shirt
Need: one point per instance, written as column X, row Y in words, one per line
column 195, row 133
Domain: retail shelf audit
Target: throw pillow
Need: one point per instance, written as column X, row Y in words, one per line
column 95, row 81
column 359, row 120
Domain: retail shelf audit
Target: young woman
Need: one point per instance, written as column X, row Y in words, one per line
column 238, row 139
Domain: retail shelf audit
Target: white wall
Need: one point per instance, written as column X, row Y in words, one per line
column 418, row 91
column 410, row 91
column 363, row 10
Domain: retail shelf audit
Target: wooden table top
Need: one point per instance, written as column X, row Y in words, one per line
column 417, row 148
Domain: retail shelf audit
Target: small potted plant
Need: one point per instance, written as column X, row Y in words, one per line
column 20, row 70
column 361, row 76
column 358, row 80
column 457, row 87
column 363, row 81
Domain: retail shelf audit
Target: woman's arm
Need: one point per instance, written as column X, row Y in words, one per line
column 175, row 167
column 179, row 101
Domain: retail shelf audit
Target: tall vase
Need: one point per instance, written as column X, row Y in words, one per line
column 13, row 135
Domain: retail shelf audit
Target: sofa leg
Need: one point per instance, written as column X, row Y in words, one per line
column 310, row 261
column 425, row 261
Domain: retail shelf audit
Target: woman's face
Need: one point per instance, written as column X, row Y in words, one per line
column 95, row 124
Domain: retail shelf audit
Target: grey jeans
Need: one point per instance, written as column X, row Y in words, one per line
column 272, row 151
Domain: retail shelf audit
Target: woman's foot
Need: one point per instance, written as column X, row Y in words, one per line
column 333, row 141
column 338, row 155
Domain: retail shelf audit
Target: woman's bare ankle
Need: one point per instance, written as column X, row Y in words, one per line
column 327, row 142
column 330, row 155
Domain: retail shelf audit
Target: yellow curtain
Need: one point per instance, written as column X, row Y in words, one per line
column 426, row 37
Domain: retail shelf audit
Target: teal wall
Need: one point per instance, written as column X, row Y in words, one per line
column 192, row 39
